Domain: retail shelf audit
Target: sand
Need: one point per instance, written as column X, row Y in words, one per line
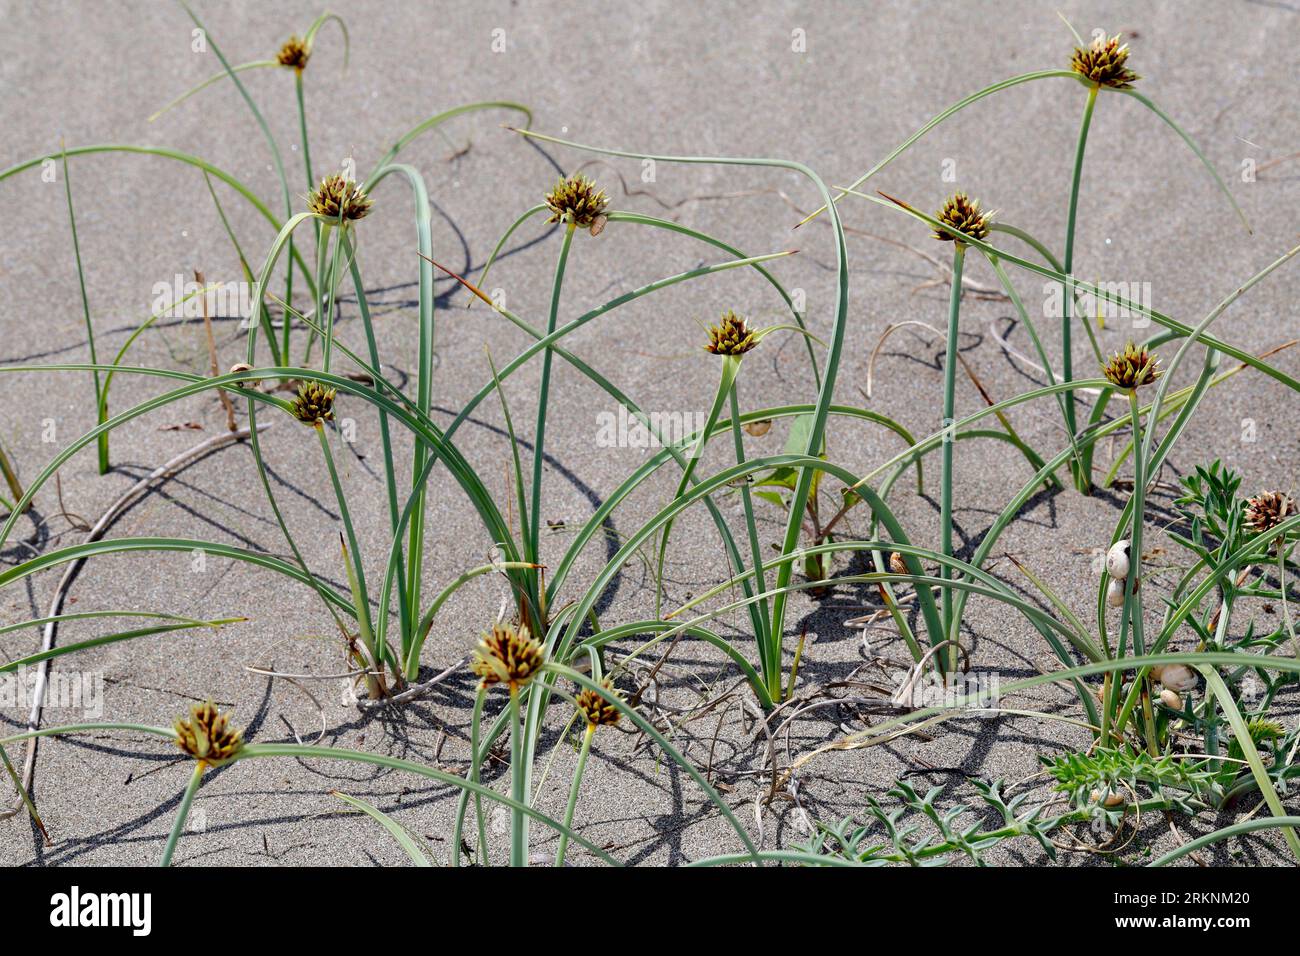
column 646, row 76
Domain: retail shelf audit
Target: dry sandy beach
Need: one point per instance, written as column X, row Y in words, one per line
column 652, row 76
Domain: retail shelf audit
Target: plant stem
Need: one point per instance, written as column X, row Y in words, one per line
column 1082, row 481
column 311, row 184
column 385, row 438
column 532, row 546
column 102, row 441
column 356, row 570
column 949, row 402
column 178, row 825
column 11, row 479
column 772, row 657
column 518, row 784
column 475, row 765
column 1132, row 583
column 573, row 792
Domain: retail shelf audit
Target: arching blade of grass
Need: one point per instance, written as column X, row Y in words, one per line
column 215, row 78
column 412, row 658
column 423, row 429
column 10, row 479
column 1241, row 733
column 645, row 220
column 1191, row 143
column 730, row 369
column 424, row 375
column 1081, row 481
column 322, row 20
column 73, row 552
column 1061, row 400
column 1028, row 240
column 306, row 751
column 501, row 243
column 1199, row 659
column 532, row 541
column 1218, row 836
column 95, row 615
column 179, row 625
column 22, row 795
column 266, row 133
column 647, row 728
column 1100, row 293
column 404, row 838
column 85, row 311
column 121, row 355
column 569, row 638
column 956, row 107
column 433, row 122
column 177, row 156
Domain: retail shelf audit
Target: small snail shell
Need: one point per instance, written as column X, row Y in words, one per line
column 1115, row 592
column 1175, row 677
column 1117, row 562
column 1171, row 699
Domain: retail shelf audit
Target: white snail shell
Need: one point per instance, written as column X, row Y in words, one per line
column 1170, row 699
column 1175, row 677
column 1117, row 560
column 1115, row 592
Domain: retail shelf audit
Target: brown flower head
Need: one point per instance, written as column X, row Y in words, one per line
column 1132, row 368
column 1267, row 510
column 507, row 655
column 578, row 200
column 1102, row 62
column 339, row 197
column 596, row 709
column 294, row 53
column 731, row 336
column 963, row 214
column 205, row 735
column 314, row 404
